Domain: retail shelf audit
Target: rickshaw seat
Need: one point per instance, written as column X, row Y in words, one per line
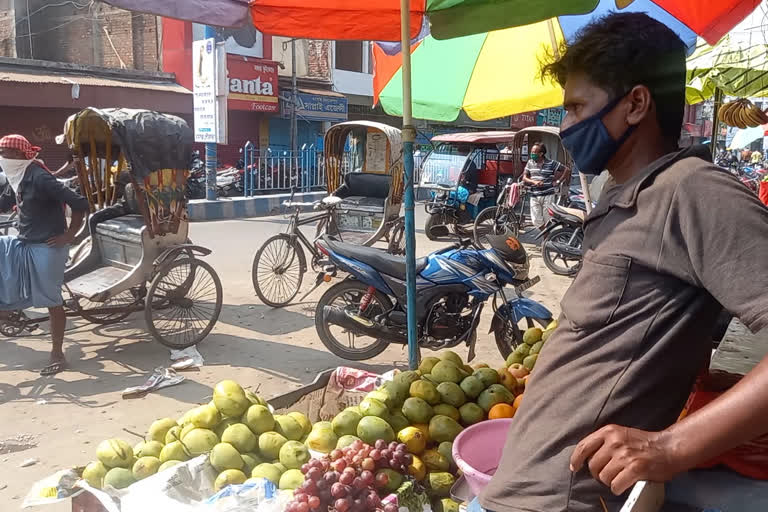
column 364, row 191
column 364, row 185
column 126, row 228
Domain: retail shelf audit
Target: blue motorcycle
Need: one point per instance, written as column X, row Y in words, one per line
column 360, row 316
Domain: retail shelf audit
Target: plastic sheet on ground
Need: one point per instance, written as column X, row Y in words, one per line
column 160, row 378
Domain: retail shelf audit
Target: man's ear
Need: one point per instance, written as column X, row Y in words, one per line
column 640, row 104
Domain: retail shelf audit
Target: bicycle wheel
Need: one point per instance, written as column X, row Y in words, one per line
column 277, row 271
column 396, row 244
column 494, row 220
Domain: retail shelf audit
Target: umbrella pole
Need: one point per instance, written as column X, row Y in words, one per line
column 409, row 137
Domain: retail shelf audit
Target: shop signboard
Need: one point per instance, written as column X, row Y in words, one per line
column 316, row 107
column 209, row 97
column 252, row 84
column 524, row 120
column 550, row 116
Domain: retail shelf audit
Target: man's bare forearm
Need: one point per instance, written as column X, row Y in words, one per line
column 76, row 221
column 738, row 416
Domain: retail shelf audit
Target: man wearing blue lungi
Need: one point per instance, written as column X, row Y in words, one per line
column 32, row 263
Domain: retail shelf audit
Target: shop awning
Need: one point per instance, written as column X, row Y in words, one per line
column 63, row 90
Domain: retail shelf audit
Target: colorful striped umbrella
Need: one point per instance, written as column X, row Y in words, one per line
column 380, row 19
column 493, row 74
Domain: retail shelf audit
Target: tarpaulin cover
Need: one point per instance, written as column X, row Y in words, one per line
column 150, row 141
column 221, row 13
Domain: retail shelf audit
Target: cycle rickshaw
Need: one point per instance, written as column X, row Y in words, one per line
column 364, row 172
column 137, row 256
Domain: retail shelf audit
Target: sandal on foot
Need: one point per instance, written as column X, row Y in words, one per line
column 53, row 368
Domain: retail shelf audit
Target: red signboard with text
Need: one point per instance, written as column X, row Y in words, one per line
column 252, row 84
column 524, row 120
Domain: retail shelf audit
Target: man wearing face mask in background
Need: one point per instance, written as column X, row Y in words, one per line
column 32, row 263
column 600, row 411
column 544, row 176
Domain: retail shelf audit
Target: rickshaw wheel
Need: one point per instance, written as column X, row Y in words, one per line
column 183, row 303
column 490, row 222
column 14, row 325
column 118, row 308
column 278, row 270
column 396, row 244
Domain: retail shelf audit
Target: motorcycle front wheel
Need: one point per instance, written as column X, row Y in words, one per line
column 509, row 334
column 558, row 263
column 341, row 341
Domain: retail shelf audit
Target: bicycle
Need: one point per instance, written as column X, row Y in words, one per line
column 280, row 263
column 505, row 217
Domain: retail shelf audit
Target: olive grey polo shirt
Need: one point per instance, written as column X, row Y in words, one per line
column 661, row 253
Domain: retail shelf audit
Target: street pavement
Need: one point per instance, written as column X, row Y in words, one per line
column 269, row 350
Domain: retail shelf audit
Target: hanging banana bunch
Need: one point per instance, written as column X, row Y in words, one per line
column 742, row 113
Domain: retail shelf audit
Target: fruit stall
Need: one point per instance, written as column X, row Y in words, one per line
column 350, row 441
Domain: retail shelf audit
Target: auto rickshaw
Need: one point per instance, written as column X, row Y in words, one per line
column 465, row 172
column 137, row 256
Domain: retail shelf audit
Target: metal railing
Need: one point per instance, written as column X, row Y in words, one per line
column 274, row 171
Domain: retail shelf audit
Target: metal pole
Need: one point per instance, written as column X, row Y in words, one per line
column 409, row 137
column 717, row 104
column 294, row 100
column 210, row 149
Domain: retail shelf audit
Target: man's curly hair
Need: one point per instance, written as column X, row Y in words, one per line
column 621, row 50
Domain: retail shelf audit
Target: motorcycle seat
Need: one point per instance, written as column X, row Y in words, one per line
column 571, row 214
column 378, row 259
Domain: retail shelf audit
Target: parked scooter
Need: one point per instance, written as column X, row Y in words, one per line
column 229, row 182
column 453, row 285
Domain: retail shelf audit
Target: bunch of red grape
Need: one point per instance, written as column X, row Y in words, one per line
column 349, row 480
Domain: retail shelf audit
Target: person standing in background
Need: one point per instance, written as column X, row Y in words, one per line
column 543, row 176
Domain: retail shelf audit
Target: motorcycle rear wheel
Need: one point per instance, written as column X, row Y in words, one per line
column 570, row 266
column 350, row 292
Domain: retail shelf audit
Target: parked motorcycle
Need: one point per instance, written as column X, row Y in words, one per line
column 196, row 180
column 229, row 182
column 452, row 284
column 563, row 238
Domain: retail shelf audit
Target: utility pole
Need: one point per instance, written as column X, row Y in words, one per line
column 294, row 101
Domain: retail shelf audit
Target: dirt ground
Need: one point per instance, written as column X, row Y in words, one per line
column 58, row 421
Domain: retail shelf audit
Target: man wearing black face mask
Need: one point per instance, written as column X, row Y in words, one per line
column 600, row 412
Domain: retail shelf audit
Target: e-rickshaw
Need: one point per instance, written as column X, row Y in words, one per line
column 137, row 255
column 464, row 171
column 508, row 213
column 364, row 171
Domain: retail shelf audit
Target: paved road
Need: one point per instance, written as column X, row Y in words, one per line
column 272, row 350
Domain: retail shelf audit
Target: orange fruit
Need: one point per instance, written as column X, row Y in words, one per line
column 518, row 400
column 501, row 411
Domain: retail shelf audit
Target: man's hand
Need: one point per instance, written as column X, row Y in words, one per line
column 619, row 457
column 61, row 240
